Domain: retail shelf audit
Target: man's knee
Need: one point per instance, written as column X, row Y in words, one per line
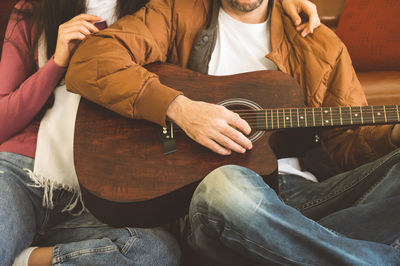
column 229, row 189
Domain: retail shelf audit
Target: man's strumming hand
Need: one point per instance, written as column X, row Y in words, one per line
column 211, row 125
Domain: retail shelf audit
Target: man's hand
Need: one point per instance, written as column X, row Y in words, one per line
column 211, row 125
column 294, row 7
column 396, row 135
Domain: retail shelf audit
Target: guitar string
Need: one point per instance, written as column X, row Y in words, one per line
column 253, row 116
column 327, row 108
column 316, row 110
column 257, row 124
column 308, row 110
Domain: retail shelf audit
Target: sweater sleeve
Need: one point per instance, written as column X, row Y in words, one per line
column 22, row 94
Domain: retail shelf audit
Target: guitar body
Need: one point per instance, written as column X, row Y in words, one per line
column 125, row 177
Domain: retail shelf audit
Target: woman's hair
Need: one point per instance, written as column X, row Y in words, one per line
column 48, row 15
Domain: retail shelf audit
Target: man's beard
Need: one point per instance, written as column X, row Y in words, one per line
column 245, row 7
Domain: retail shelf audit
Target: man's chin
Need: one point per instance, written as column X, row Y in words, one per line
column 245, row 7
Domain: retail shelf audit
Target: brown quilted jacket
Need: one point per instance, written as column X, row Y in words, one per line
column 107, row 69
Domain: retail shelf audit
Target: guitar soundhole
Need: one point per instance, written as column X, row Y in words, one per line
column 236, row 104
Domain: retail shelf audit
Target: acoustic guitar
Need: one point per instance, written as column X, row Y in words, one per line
column 137, row 173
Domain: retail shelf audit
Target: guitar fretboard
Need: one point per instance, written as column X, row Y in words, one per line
column 270, row 119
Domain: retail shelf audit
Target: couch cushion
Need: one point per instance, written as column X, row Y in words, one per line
column 382, row 87
column 329, row 11
column 370, row 29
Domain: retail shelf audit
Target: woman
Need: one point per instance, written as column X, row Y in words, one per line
column 38, row 208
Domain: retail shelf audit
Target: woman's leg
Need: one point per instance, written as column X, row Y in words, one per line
column 20, row 207
column 84, row 240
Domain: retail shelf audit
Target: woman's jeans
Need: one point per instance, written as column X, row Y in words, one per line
column 350, row 219
column 80, row 240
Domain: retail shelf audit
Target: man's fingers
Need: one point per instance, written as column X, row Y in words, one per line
column 237, row 122
column 240, row 142
column 228, row 143
column 214, row 146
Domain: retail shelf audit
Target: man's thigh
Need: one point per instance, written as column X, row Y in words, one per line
column 374, row 181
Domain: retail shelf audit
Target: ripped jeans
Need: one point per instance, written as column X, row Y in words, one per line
column 81, row 240
column 350, row 219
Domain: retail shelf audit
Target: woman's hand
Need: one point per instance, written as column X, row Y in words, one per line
column 70, row 34
column 294, row 7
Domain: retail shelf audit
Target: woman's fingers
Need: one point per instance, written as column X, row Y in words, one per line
column 87, row 17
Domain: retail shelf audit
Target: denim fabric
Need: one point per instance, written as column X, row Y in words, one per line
column 81, row 240
column 349, row 219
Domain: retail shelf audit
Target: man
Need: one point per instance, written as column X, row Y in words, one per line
column 235, row 217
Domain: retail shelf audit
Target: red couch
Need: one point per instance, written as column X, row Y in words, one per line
column 381, row 85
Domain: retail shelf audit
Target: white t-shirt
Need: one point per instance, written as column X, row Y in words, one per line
column 242, row 47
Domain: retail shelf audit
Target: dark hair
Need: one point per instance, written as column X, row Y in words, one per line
column 48, row 15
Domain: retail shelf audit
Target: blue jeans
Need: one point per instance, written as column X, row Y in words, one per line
column 350, row 219
column 81, row 240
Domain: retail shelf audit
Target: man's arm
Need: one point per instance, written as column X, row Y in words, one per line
column 352, row 147
column 107, row 67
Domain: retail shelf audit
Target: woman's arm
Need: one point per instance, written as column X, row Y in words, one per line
column 294, row 7
column 22, row 94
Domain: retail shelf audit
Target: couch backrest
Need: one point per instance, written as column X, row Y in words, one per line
column 330, row 11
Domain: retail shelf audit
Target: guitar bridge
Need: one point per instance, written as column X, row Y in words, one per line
column 167, row 138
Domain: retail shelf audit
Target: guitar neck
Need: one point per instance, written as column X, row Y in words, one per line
column 270, row 119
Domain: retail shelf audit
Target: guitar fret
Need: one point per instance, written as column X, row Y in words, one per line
column 277, row 116
column 322, row 118
column 351, row 116
column 361, row 114
column 305, row 117
column 284, row 118
column 272, row 118
column 291, row 122
column 331, row 116
column 266, row 119
column 384, row 111
column 398, row 115
column 313, row 116
column 373, row 114
column 340, row 113
column 298, row 119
